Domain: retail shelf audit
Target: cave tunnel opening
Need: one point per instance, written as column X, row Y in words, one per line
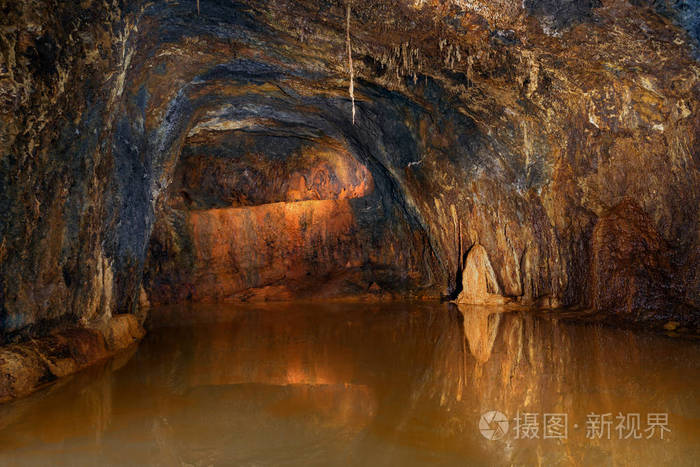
column 255, row 183
column 269, row 201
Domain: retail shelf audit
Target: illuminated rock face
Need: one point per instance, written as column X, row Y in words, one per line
column 130, row 133
column 274, row 251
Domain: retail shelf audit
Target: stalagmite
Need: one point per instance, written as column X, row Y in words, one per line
column 479, row 284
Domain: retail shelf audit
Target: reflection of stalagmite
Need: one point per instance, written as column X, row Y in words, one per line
column 480, row 329
column 479, row 285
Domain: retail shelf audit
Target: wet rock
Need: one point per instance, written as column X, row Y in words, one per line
column 27, row 366
column 122, row 331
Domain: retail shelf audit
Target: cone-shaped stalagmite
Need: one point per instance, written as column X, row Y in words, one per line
column 479, row 284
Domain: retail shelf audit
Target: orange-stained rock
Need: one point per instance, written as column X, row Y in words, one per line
column 122, row 331
column 29, row 365
column 231, row 169
column 237, row 249
column 278, row 251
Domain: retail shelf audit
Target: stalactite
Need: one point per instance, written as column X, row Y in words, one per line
column 197, row 7
column 352, row 74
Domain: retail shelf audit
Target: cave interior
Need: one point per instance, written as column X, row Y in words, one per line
column 540, row 155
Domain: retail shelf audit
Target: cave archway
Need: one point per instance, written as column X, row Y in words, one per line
column 270, row 199
column 241, row 176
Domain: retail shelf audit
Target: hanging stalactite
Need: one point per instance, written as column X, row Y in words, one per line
column 351, row 71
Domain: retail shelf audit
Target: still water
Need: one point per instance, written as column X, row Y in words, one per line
column 368, row 384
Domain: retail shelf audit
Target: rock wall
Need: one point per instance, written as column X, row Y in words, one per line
column 62, row 74
column 562, row 140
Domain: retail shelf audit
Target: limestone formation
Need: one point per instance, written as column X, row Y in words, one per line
column 479, row 284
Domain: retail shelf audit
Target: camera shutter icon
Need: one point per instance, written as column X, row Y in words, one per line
column 493, row 425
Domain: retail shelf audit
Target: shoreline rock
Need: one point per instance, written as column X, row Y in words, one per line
column 28, row 366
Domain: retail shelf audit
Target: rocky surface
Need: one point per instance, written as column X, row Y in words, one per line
column 28, row 366
column 149, row 147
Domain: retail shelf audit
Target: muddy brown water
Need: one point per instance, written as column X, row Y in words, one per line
column 369, row 384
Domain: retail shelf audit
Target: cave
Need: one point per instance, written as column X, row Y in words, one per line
column 272, row 199
column 349, row 232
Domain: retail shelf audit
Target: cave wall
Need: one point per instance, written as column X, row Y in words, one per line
column 562, row 138
column 62, row 72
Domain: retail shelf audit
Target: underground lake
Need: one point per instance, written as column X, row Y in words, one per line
column 368, row 384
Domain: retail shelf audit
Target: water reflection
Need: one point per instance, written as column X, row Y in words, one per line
column 378, row 384
column 481, row 329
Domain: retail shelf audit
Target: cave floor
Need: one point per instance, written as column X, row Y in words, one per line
column 368, row 384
